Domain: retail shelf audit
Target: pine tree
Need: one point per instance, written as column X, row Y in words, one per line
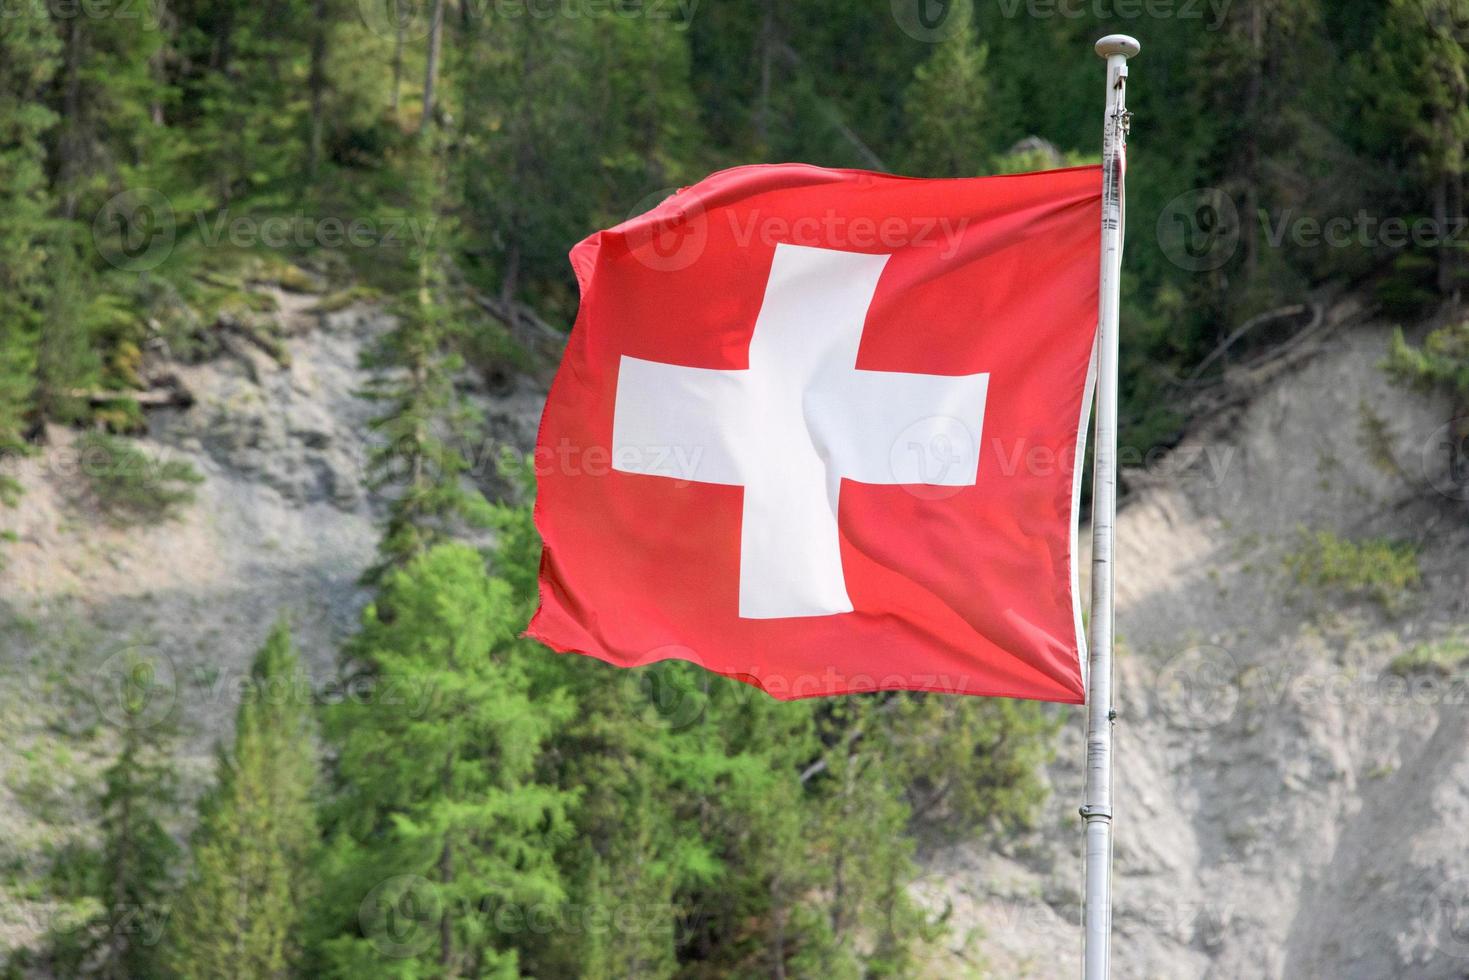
column 947, row 106
column 239, row 914
column 104, row 94
column 766, row 835
column 238, row 98
column 1250, row 88
column 28, row 59
column 747, row 836
column 528, row 133
column 68, row 357
column 439, row 802
column 431, row 66
column 1415, row 87
column 532, row 119
column 138, row 853
column 427, row 421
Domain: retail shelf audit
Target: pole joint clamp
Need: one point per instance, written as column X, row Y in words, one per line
column 1096, row 811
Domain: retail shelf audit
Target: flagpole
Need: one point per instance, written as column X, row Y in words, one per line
column 1096, row 811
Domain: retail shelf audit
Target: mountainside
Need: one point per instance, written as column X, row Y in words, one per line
column 282, row 524
column 280, row 283
column 1292, row 747
column 1293, row 743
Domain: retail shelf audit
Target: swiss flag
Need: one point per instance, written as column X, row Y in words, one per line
column 818, row 430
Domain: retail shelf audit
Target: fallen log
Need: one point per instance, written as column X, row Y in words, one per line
column 151, row 398
column 529, row 329
column 1295, row 309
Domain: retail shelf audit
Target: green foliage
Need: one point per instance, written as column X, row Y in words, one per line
column 128, row 486
column 343, row 298
column 1377, row 439
column 239, row 914
column 122, row 889
column 436, row 772
column 28, row 60
column 947, row 106
column 546, row 127
column 426, row 421
column 974, row 760
column 1442, row 363
column 540, row 98
column 1415, row 90
column 138, row 852
column 485, row 779
column 1384, row 570
column 1443, row 658
column 1442, row 75
column 1406, row 288
column 500, row 809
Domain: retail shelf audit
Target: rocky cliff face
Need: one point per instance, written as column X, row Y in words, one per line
column 1292, row 761
column 1291, row 794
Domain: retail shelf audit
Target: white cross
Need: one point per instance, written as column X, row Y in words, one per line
column 795, row 423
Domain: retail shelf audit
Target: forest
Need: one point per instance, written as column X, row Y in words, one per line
column 484, row 808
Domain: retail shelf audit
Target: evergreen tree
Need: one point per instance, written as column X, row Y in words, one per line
column 947, row 106
column 437, row 778
column 105, row 93
column 532, row 119
column 241, row 67
column 1415, row 89
column 636, row 851
column 427, row 421
column 28, row 59
column 864, row 811
column 239, row 914
column 68, row 352
column 743, row 837
column 750, row 837
column 1250, row 86
column 138, row 854
column 122, row 885
column 819, row 80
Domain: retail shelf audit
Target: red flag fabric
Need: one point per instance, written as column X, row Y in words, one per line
column 818, row 430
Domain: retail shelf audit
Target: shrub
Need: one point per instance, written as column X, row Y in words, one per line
column 1407, row 289
column 1441, row 363
column 343, row 298
column 1383, row 569
column 1443, row 657
column 129, row 487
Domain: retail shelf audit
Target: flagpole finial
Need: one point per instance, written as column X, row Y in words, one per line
column 1115, row 44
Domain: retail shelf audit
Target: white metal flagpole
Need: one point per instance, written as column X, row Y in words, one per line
column 1096, row 811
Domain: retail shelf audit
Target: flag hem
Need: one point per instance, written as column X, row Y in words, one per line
column 533, row 633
